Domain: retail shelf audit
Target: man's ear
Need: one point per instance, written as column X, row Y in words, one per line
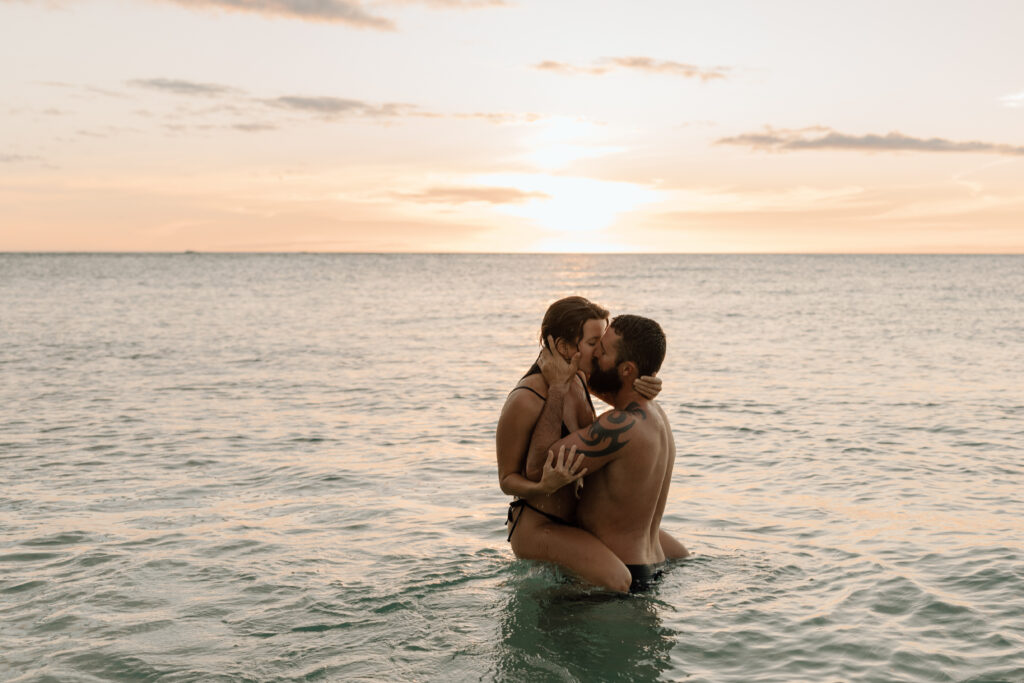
column 628, row 370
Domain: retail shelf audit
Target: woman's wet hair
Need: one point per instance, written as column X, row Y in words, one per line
column 565, row 318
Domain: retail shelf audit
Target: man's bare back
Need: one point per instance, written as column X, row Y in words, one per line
column 622, row 503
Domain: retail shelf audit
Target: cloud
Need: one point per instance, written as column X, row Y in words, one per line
column 775, row 140
column 670, row 68
column 1013, row 100
column 203, row 106
column 324, row 106
column 562, row 67
column 87, row 89
column 334, row 107
column 646, row 64
column 16, row 158
column 500, row 118
column 455, row 4
column 349, row 12
column 254, row 127
column 179, row 87
column 330, row 11
column 466, row 195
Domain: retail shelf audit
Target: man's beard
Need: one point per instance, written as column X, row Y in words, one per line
column 605, row 381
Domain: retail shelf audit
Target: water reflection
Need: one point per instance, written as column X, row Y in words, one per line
column 576, row 272
column 559, row 632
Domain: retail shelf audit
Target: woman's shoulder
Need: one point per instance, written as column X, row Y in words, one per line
column 524, row 403
column 533, row 384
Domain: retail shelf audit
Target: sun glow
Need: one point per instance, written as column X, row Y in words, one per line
column 561, row 141
column 573, row 210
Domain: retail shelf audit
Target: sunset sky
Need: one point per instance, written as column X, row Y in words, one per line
column 515, row 125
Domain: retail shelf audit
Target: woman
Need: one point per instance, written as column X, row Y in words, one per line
column 541, row 521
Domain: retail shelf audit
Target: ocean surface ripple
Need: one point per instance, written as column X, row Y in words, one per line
column 281, row 467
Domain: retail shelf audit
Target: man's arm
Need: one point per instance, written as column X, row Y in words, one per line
column 559, row 376
column 602, row 442
column 547, row 430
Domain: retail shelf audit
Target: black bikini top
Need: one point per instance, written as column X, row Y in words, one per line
column 535, row 370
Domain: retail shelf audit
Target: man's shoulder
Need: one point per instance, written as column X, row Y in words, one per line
column 630, row 415
column 615, row 432
column 641, row 421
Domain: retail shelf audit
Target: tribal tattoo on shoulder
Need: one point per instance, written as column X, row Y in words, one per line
column 604, row 440
column 635, row 409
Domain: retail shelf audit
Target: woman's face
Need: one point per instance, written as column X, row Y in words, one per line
column 593, row 330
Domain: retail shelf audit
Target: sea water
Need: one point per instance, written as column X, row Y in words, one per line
column 281, row 467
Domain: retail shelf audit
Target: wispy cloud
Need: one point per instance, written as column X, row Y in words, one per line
column 332, row 11
column 322, row 106
column 83, row 89
column 466, row 195
column 454, row 4
column 565, row 68
column 670, row 68
column 350, row 12
column 179, row 87
column 335, row 107
column 779, row 140
column 499, row 118
column 196, row 106
column 254, row 127
column 645, row 64
column 1013, row 100
column 16, row 158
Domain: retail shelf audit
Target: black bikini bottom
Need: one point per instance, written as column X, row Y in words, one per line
column 644, row 576
column 521, row 503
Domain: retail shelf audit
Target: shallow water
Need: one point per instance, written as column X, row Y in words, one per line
column 280, row 467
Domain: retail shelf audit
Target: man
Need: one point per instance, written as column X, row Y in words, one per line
column 629, row 451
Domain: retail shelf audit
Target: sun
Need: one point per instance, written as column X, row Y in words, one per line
column 572, row 211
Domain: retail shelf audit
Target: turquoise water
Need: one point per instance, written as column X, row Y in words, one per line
column 280, row 467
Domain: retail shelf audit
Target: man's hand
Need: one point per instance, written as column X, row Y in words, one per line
column 647, row 386
column 565, row 471
column 554, row 368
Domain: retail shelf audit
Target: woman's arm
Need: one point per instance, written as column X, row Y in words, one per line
column 515, row 427
column 512, row 438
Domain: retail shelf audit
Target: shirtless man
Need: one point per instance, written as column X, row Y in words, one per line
column 629, row 451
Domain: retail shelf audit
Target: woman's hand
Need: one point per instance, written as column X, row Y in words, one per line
column 648, row 386
column 565, row 471
column 555, row 369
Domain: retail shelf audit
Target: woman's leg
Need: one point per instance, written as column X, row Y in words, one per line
column 674, row 550
column 579, row 551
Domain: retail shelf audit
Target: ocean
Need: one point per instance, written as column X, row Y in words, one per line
column 280, row 467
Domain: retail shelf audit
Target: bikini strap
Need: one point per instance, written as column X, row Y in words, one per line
column 517, row 503
column 539, row 395
column 586, row 392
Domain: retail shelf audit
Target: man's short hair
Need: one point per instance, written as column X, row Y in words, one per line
column 642, row 342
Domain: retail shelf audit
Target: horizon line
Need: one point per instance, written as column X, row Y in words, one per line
column 196, row 252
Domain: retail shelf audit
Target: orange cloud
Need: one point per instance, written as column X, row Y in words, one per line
column 464, row 195
column 647, row 64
